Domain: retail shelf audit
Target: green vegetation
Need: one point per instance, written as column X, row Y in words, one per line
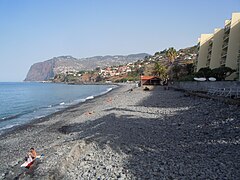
column 176, row 70
column 160, row 71
column 170, row 63
column 165, row 64
column 204, row 72
column 219, row 73
column 171, row 54
column 187, row 77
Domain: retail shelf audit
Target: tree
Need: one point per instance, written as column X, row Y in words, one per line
column 221, row 73
column 176, row 71
column 163, row 51
column 190, row 68
column 81, row 72
column 97, row 68
column 160, row 70
column 146, row 58
column 99, row 78
column 204, row 72
column 140, row 71
column 171, row 54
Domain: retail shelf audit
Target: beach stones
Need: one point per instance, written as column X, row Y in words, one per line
column 140, row 135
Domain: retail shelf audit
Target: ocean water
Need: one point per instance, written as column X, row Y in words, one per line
column 22, row 102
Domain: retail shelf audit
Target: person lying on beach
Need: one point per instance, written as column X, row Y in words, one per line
column 109, row 100
column 89, row 113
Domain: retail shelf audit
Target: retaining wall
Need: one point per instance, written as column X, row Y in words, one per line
column 205, row 86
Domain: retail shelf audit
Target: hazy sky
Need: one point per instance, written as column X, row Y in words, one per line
column 37, row 30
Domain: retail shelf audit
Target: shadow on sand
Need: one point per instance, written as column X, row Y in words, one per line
column 185, row 144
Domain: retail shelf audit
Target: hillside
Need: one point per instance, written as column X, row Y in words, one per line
column 184, row 56
column 46, row 70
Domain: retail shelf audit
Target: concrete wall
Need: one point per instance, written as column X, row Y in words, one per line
column 205, row 86
column 217, row 48
column 233, row 44
column 224, row 51
column 210, row 46
column 203, row 50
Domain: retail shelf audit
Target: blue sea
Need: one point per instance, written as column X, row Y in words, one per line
column 22, row 102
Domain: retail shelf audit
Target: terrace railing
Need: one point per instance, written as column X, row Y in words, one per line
column 225, row 92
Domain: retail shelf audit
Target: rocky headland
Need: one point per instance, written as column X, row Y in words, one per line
column 43, row 71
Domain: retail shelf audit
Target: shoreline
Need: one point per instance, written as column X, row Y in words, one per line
column 127, row 134
column 36, row 120
column 21, row 133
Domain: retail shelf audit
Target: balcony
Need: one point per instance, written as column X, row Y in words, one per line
column 210, row 42
column 208, row 64
column 224, row 54
column 210, row 50
column 208, row 56
column 225, row 46
column 227, row 27
column 238, row 62
column 226, row 37
column 222, row 62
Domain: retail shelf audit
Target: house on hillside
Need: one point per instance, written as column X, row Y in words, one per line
column 150, row 81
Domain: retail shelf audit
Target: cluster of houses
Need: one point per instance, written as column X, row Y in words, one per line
column 182, row 58
column 107, row 71
column 100, row 73
column 118, row 70
column 113, row 73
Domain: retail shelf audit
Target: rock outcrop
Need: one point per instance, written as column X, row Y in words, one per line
column 46, row 70
column 41, row 71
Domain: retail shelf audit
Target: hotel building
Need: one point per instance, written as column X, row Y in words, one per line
column 222, row 48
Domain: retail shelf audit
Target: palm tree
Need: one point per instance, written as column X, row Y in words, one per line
column 160, row 70
column 156, row 53
column 171, row 54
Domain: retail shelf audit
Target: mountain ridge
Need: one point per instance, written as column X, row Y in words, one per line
column 45, row 70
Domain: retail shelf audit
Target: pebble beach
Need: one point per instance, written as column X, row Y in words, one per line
column 158, row 134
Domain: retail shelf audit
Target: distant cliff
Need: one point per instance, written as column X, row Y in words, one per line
column 41, row 71
column 46, row 70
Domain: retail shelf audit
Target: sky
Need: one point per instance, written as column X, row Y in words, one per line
column 36, row 30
